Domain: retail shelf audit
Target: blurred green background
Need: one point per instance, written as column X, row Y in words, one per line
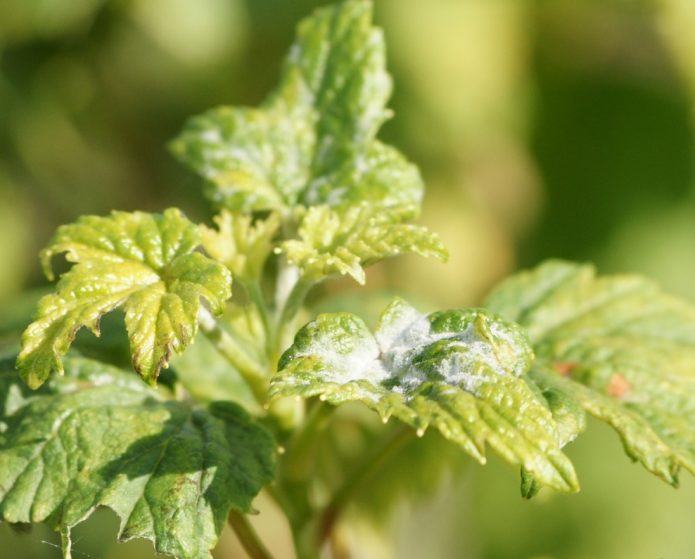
column 543, row 129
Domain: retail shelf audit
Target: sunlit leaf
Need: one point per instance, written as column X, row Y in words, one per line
column 240, row 243
column 617, row 347
column 338, row 243
column 313, row 140
column 142, row 262
column 461, row 371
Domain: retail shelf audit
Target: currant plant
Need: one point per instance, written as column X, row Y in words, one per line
column 306, row 193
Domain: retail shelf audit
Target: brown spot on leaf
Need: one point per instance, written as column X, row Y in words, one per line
column 565, row 368
column 618, row 386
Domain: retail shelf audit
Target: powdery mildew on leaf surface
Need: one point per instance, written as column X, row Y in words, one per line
column 461, row 371
column 100, row 437
column 313, row 140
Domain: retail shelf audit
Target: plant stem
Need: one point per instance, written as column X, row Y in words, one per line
column 294, row 476
column 370, row 464
column 294, row 301
column 253, row 289
column 251, row 371
column 297, row 458
column 66, row 542
column 289, row 310
column 248, row 537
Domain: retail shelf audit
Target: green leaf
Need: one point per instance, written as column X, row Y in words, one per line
column 617, row 347
column 240, row 243
column 99, row 437
column 333, row 242
column 461, row 371
column 313, row 140
column 570, row 421
column 142, row 262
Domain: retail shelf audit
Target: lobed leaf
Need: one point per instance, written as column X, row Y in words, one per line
column 616, row 347
column 97, row 437
column 333, row 242
column 313, row 140
column 240, row 243
column 142, row 262
column 461, row 371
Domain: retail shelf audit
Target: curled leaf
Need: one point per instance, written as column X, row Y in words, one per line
column 460, row 371
column 240, row 243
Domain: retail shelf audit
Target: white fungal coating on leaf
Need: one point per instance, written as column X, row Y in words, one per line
column 313, row 140
column 460, row 371
column 404, row 334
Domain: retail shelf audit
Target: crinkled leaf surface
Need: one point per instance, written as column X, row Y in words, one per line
column 100, row 437
column 313, row 140
column 617, row 347
column 240, row 243
column 460, row 371
column 143, row 262
column 342, row 242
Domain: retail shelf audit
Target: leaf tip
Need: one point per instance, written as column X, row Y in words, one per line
column 45, row 257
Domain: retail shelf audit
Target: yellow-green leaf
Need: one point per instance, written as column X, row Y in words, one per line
column 142, row 262
column 619, row 348
column 344, row 242
column 240, row 243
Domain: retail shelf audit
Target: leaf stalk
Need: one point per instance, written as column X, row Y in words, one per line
column 248, row 537
column 251, row 371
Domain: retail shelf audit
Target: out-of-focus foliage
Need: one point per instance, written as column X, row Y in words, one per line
column 616, row 346
column 542, row 129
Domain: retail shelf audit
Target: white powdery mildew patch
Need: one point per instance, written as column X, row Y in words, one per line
column 410, row 333
column 456, row 371
column 360, row 364
column 369, row 366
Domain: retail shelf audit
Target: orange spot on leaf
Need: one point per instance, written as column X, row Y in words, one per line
column 565, row 368
column 618, row 386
